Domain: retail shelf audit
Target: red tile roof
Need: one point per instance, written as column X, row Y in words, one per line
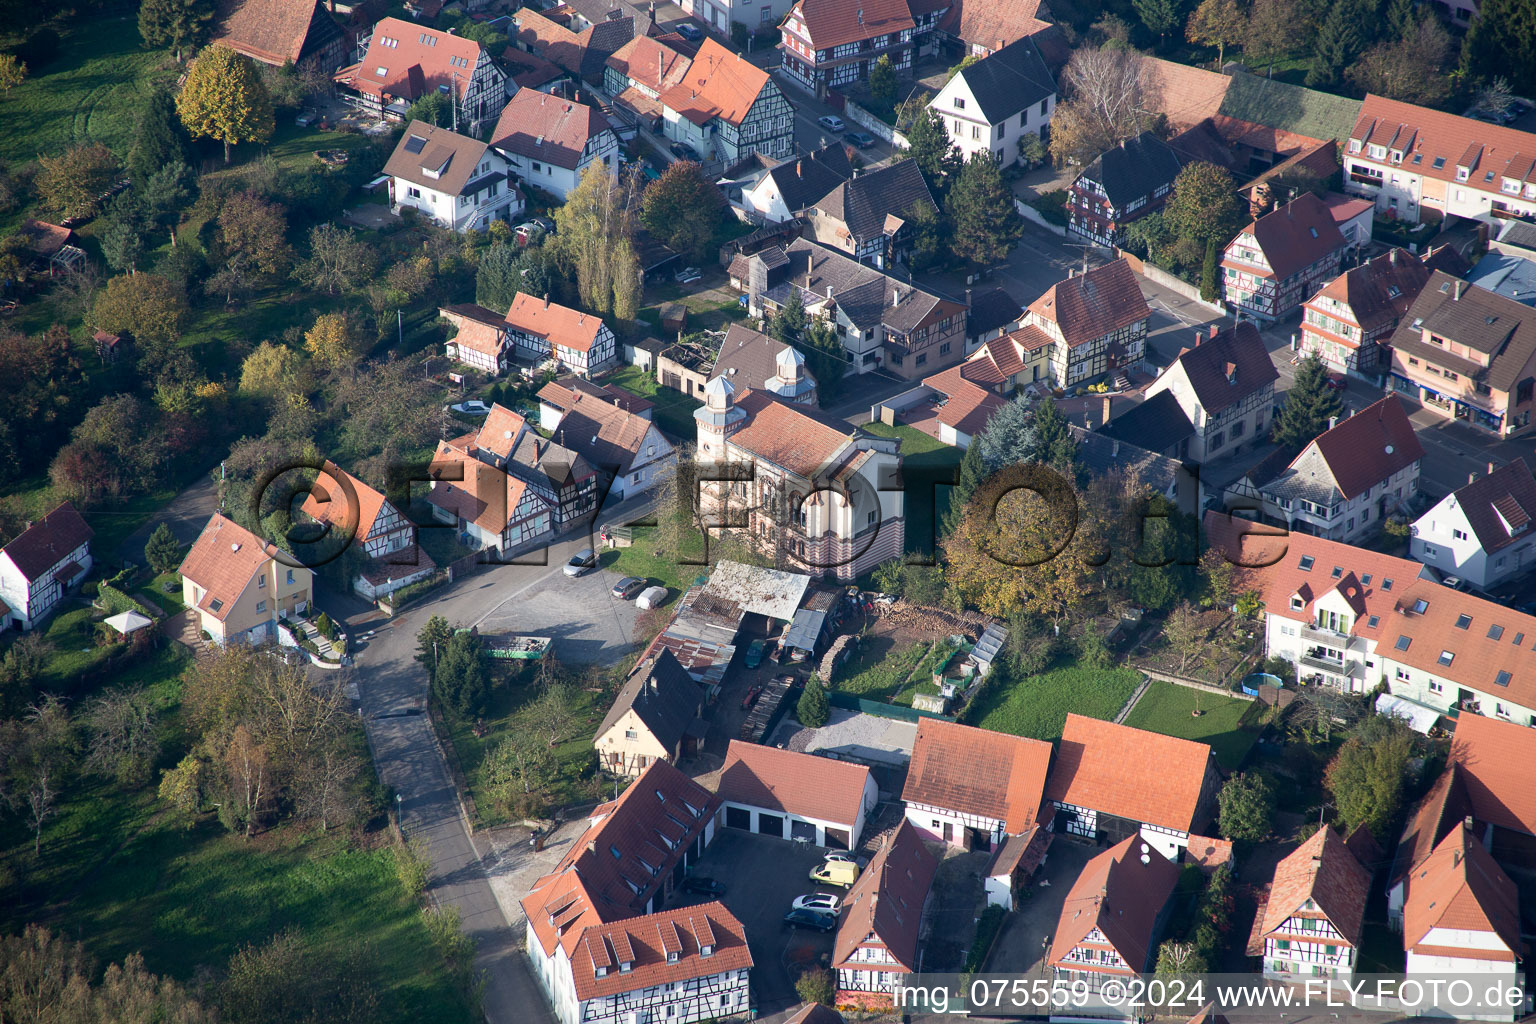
column 1498, row 503
column 48, row 541
column 1377, row 293
column 967, row 405
column 793, row 783
column 976, row 771
column 1188, row 95
column 994, row 23
column 1090, row 305
column 544, row 127
column 718, row 83
column 223, row 560
column 830, row 23
column 478, row 337
column 1461, row 888
column 1121, row 892
column 651, row 63
column 885, row 906
column 551, row 40
column 271, row 31
column 788, row 435
column 415, row 61
column 559, row 325
column 1322, row 870
column 1443, row 808
column 1111, row 768
column 1433, row 135
column 1497, row 762
column 1370, row 446
column 501, row 431
column 647, row 940
column 1292, row 237
column 480, row 494
column 342, row 500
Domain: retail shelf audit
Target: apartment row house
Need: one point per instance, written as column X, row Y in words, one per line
column 1353, row 619
column 504, row 486
column 1211, row 401
column 453, row 180
column 1093, row 325
column 1279, row 260
column 364, row 519
column 803, row 485
column 1468, row 354
column 42, row 565
column 830, row 43
column 1348, row 324
column 882, row 321
column 1481, row 532
column 1345, row 483
column 401, row 62
column 995, row 104
column 600, row 942
column 1414, row 162
column 238, row 585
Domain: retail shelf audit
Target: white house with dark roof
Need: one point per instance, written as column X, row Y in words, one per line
column 1346, row 481
column 993, row 105
column 455, row 181
column 549, row 142
column 792, row 186
column 866, row 216
column 1121, row 185
column 1482, row 533
column 43, row 563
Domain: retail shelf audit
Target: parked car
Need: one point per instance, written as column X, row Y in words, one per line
column 812, row 919
column 687, row 275
column 628, row 587
column 822, row 901
column 831, row 122
column 306, row 119
column 581, row 562
column 846, row 858
column 473, row 407
column 651, row 597
column 840, row 873
column 683, row 151
column 1338, row 382
column 754, row 656
column 751, row 697
column 689, row 31
column 703, row 886
column 859, row 140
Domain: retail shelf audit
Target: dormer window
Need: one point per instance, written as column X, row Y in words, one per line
column 672, row 956
column 1297, row 603
column 1354, row 145
column 1397, row 156
column 601, row 972
column 626, row 966
column 707, row 950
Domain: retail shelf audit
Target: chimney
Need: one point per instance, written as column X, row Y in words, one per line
column 1109, row 400
column 1392, row 256
column 1215, row 329
column 967, row 298
column 861, row 15
column 1114, row 449
column 1198, row 339
column 1491, row 467
column 1456, row 292
column 546, row 300
column 1333, row 421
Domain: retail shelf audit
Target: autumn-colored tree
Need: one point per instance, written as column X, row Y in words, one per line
column 256, row 229
column 1104, row 103
column 595, row 234
column 332, row 342
column 1204, row 207
column 146, row 306
column 1272, row 31
column 1218, row 23
column 223, row 98
column 1411, row 69
column 72, row 183
column 1185, row 634
column 272, row 371
column 682, row 208
column 13, row 71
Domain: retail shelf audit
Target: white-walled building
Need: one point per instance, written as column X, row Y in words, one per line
column 1481, row 533
column 1225, row 385
column 972, row 788
column 1315, row 912
column 549, row 142
column 655, row 717
column 346, row 505
column 541, row 330
column 993, row 105
column 880, row 921
column 455, row 181
column 790, row 795
column 402, row 62
column 41, row 565
column 794, row 185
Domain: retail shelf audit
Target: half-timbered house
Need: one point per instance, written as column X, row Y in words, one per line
column 727, row 108
column 1277, row 261
column 1225, row 388
column 342, row 502
column 652, row 719
column 972, row 788
column 1097, row 322
column 541, row 330
column 1315, row 911
column 401, row 62
column 877, row 933
column 42, row 564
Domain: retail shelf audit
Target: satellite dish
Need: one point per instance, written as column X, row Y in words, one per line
column 1389, row 449
column 1145, row 859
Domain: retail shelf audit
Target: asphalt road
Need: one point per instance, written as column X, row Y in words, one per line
column 409, row 760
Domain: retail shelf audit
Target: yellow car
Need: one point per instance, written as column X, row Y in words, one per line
column 836, row 872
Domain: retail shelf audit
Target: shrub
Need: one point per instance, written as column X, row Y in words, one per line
column 412, row 867
column 986, row 930
column 816, row 986
column 325, row 626
column 814, row 709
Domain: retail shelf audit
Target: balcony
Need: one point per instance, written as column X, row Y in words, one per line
column 1365, row 179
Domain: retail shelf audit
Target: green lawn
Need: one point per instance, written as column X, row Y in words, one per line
column 674, row 410
column 91, row 90
column 1166, row 708
column 165, row 591
column 877, row 671
column 1037, row 706
column 926, row 461
column 640, row 559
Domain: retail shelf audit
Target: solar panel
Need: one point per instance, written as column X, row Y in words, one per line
column 415, row 144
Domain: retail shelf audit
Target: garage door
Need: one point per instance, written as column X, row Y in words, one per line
column 802, row 830
column 770, row 825
column 738, row 817
column 837, row 838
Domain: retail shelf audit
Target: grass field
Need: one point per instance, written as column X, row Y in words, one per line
column 1167, row 708
column 91, row 90
column 1037, row 706
column 877, row 670
column 674, row 410
column 926, row 461
column 640, row 559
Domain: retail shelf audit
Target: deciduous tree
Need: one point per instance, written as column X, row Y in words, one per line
column 72, row 183
column 123, row 727
column 1273, row 31
column 332, row 342
column 980, row 206
column 1185, row 633
column 1103, row 103
column 1204, row 206
column 1246, row 805
column 145, row 305
column 256, row 229
column 682, row 208
column 1411, row 69
column 13, row 71
column 223, row 98
column 1218, row 23
column 338, row 261
column 597, row 219
column 1366, row 777
column 882, row 81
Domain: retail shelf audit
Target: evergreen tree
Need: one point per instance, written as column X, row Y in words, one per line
column 1160, row 16
column 460, row 680
column 814, row 709
column 1401, row 19
column 497, row 279
column 1309, row 405
column 431, row 642
column 1340, row 39
column 1502, row 43
column 970, row 477
column 122, row 246
column 224, row 98
column 825, row 357
column 158, row 138
column 178, row 24
column 165, row 195
column 929, row 144
column 1056, row 445
column 1210, row 287
column 882, row 81
column 162, row 551
column 980, row 206
column 789, row 321
column 1010, row 436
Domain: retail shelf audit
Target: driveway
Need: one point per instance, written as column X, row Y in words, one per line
column 187, row 514
column 588, row 624
column 1022, row 944
column 762, row 878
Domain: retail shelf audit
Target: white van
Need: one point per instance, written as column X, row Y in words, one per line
column 651, row 597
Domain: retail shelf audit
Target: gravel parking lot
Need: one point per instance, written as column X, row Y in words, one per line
column 589, row 625
column 762, row 878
